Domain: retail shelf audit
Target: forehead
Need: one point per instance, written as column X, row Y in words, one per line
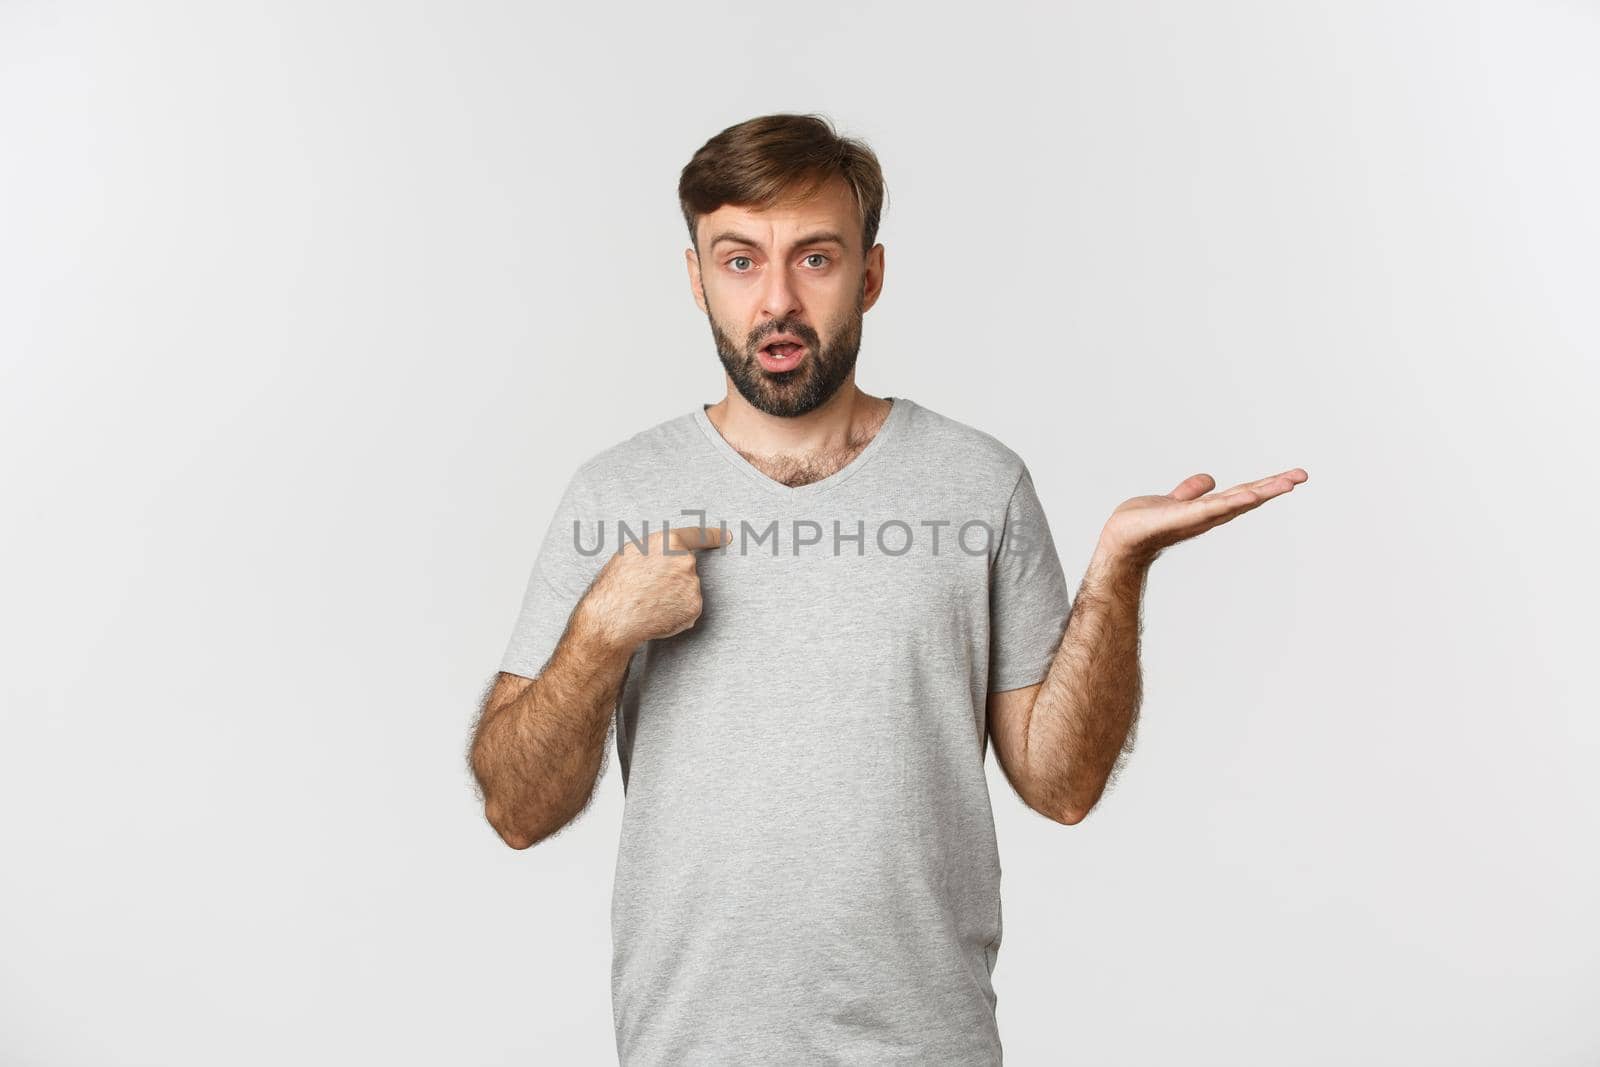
column 831, row 208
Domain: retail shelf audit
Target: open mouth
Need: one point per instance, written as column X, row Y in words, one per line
column 781, row 356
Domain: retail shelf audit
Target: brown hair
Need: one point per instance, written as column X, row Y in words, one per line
column 764, row 160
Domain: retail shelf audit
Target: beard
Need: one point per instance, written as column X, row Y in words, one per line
column 794, row 392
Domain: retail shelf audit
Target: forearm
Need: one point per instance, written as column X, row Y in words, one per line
column 1085, row 712
column 537, row 755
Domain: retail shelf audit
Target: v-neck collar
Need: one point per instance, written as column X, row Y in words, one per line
column 899, row 408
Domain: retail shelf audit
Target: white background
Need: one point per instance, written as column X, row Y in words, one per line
column 308, row 310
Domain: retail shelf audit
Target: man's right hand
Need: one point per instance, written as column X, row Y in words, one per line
column 557, row 721
column 649, row 593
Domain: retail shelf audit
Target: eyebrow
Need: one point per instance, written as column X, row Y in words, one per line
column 819, row 238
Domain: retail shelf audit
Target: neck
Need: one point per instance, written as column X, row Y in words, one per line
column 845, row 420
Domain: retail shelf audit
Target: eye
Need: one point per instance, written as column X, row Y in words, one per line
column 736, row 259
column 817, row 255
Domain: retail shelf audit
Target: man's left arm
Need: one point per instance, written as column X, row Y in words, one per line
column 1061, row 741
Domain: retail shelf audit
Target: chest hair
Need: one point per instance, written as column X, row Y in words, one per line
column 803, row 469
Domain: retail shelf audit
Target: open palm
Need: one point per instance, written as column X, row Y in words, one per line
column 1142, row 527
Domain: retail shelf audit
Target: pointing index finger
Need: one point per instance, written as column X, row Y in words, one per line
column 700, row 536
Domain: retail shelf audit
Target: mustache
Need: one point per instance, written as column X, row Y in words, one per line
column 806, row 335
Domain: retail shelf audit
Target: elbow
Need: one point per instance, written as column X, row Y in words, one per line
column 513, row 836
column 513, row 839
column 1072, row 804
column 1057, row 813
column 1070, row 816
column 1067, row 814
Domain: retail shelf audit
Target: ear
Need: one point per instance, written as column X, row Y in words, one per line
column 692, row 261
column 872, row 283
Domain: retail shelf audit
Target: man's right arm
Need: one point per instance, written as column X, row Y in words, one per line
column 539, row 742
column 538, row 746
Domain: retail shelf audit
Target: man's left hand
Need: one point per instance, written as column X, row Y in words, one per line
column 1141, row 528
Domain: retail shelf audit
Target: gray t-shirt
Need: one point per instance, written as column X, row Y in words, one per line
column 807, row 870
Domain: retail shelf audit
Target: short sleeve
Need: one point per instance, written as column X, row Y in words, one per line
column 570, row 556
column 1028, row 598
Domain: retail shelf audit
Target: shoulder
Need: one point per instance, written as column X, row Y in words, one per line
column 958, row 446
column 637, row 458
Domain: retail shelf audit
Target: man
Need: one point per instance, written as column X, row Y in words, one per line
column 852, row 595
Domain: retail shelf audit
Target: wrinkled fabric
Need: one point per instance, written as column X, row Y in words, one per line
column 807, row 870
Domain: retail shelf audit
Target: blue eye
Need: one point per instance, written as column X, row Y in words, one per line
column 740, row 270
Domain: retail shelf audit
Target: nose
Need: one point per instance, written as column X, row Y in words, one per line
column 778, row 299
